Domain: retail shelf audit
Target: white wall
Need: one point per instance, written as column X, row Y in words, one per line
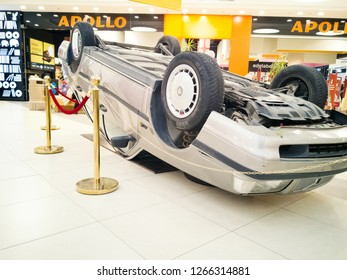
column 260, row 46
column 322, row 45
column 311, row 57
column 223, row 52
column 148, row 39
column 299, row 50
column 113, row 36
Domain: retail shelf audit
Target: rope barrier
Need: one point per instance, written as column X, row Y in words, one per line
column 64, row 95
column 68, row 112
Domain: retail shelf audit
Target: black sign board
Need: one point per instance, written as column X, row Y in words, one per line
column 11, row 78
column 254, row 66
column 115, row 22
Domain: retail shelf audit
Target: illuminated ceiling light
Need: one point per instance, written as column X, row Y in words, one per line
column 36, row 24
column 23, row 7
column 38, row 15
column 28, row 21
column 104, row 16
column 55, row 15
column 261, row 12
column 151, row 10
column 255, row 19
column 331, row 33
column 130, row 9
column 143, row 29
column 289, row 20
column 342, row 21
column 241, row 12
column 155, row 17
column 266, row 31
column 300, row 13
column 137, row 17
column 41, row 8
column 320, row 14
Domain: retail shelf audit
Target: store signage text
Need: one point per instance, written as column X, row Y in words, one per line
column 97, row 21
column 11, row 79
column 324, row 26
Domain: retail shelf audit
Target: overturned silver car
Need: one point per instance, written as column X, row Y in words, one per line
column 217, row 127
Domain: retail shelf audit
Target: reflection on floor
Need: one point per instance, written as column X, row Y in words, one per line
column 150, row 216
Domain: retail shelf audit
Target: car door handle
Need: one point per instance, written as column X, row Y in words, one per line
column 103, row 108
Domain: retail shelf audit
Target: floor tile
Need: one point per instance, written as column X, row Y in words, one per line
column 15, row 169
column 231, row 247
column 65, row 180
column 342, row 176
column 127, row 198
column 170, row 185
column 91, row 242
column 336, row 188
column 297, row 237
column 24, row 189
column 7, row 156
column 38, row 218
column 59, row 162
column 281, row 200
column 124, row 170
column 164, row 231
column 323, row 208
column 226, row 209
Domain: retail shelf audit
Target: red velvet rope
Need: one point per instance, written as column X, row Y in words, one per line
column 68, row 112
column 72, row 100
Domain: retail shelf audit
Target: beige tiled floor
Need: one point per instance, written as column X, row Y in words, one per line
column 150, row 216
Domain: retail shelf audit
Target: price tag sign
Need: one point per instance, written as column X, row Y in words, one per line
column 11, row 78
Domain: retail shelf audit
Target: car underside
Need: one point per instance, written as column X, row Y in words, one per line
column 217, row 127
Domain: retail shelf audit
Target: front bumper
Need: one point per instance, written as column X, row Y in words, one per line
column 253, row 157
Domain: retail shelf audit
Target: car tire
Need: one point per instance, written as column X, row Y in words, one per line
column 193, row 87
column 312, row 85
column 171, row 43
column 82, row 35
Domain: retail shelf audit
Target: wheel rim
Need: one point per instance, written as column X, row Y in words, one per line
column 76, row 43
column 182, row 91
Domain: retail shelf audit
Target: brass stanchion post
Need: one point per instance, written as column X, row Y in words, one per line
column 96, row 185
column 48, row 149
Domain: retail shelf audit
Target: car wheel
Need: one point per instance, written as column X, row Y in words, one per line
column 192, row 88
column 171, row 43
column 82, row 35
column 311, row 84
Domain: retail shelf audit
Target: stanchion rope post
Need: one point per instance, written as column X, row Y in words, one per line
column 96, row 185
column 48, row 149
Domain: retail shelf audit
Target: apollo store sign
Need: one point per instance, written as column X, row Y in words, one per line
column 313, row 27
column 11, row 78
column 114, row 22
